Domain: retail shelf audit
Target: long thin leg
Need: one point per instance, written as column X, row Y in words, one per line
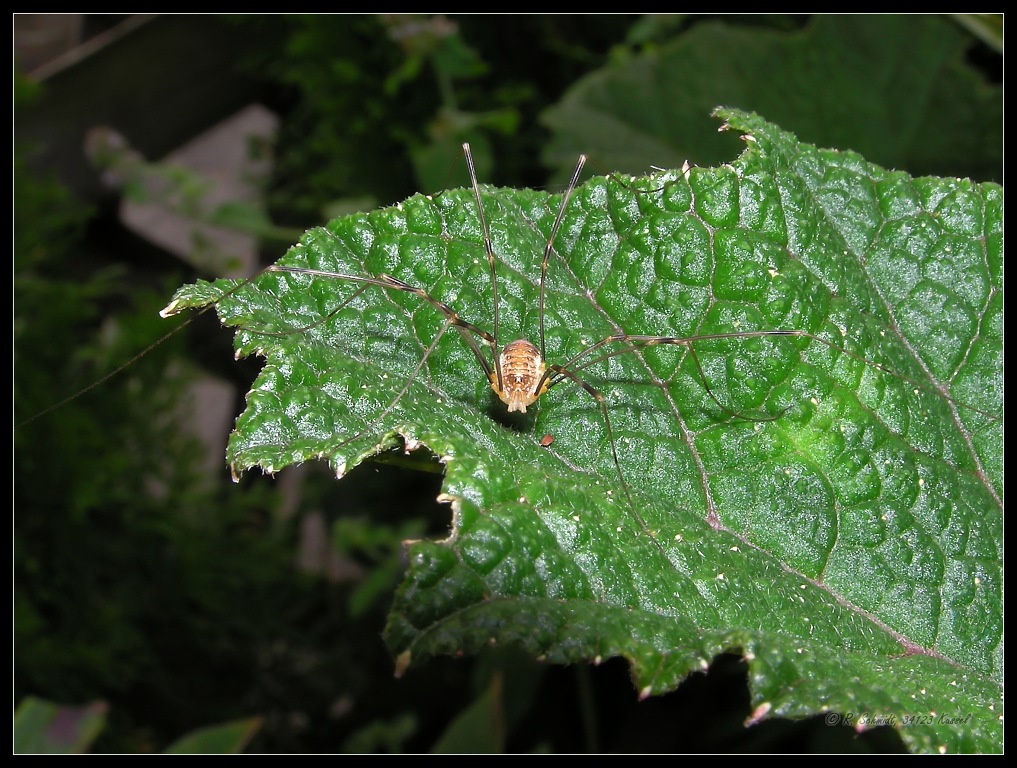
column 466, row 330
column 170, row 310
column 452, row 320
column 550, row 242
column 406, row 386
column 548, row 249
column 637, row 342
column 566, row 373
column 491, row 265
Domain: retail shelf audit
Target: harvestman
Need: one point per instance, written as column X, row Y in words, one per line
column 518, row 371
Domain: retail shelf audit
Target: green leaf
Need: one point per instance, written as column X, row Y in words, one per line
column 221, row 739
column 382, row 736
column 478, row 729
column 850, row 546
column 896, row 88
column 42, row 727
